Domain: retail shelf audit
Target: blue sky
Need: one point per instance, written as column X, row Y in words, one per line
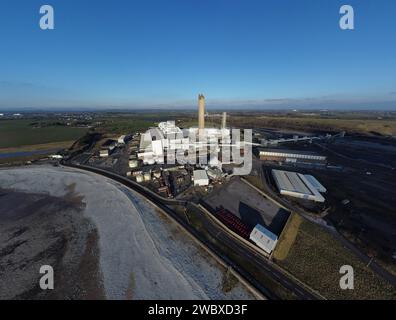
column 239, row 53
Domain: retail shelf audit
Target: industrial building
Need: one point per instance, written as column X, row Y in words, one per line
column 200, row 178
column 263, row 238
column 104, row 153
column 107, row 148
column 183, row 146
column 291, row 156
column 297, row 185
column 315, row 183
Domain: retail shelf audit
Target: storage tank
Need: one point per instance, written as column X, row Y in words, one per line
column 147, row 176
column 133, row 164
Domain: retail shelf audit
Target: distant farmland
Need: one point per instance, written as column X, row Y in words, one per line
column 18, row 133
column 312, row 124
column 125, row 124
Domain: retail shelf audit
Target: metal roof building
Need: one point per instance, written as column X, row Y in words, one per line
column 200, row 178
column 290, row 155
column 297, row 185
column 264, row 238
column 318, row 186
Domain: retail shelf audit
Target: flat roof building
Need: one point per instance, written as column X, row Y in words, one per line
column 104, row 153
column 315, row 183
column 297, row 185
column 200, row 178
column 264, row 238
column 283, row 155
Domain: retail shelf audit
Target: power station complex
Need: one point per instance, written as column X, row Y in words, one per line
column 188, row 162
column 197, row 145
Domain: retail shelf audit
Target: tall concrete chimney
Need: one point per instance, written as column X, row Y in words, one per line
column 224, row 120
column 201, row 112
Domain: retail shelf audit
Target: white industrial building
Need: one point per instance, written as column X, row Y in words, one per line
column 200, row 146
column 169, row 128
column 169, row 138
column 315, row 183
column 200, row 178
column 151, row 146
column 291, row 156
column 264, row 238
column 107, row 148
column 297, row 185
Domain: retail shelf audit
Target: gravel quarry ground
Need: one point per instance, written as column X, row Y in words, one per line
column 103, row 240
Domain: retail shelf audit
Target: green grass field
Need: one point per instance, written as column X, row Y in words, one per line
column 20, row 133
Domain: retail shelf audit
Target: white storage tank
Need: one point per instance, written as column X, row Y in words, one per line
column 139, row 178
column 133, row 164
column 147, row 176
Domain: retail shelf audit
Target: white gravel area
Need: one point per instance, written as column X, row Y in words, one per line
column 143, row 254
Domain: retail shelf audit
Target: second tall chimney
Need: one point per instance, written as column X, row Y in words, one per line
column 224, row 120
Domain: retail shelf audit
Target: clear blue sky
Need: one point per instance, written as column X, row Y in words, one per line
column 269, row 53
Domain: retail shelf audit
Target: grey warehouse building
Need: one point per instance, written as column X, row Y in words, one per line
column 291, row 156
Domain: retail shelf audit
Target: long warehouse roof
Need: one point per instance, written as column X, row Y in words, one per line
column 297, row 185
column 290, row 153
column 279, row 150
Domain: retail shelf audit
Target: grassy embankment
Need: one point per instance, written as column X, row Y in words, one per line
column 315, row 256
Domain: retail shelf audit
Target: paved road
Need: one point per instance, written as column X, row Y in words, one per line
column 219, row 233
